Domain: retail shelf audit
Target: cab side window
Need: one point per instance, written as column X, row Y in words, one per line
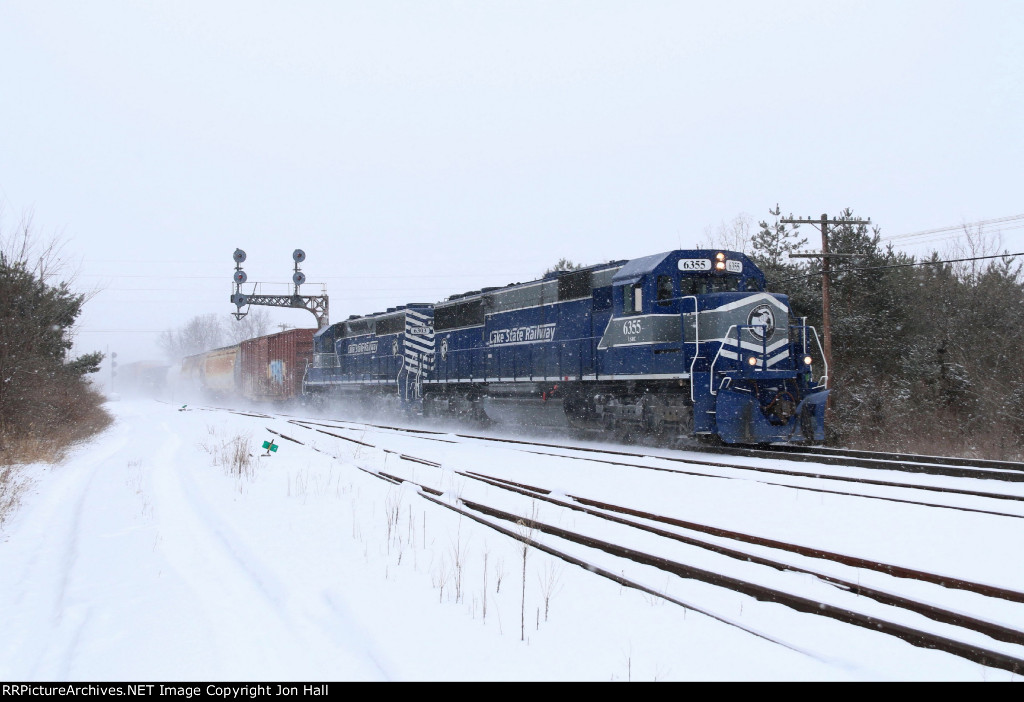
column 632, row 298
column 664, row 290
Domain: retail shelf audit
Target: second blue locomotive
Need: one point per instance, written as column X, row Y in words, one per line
column 684, row 343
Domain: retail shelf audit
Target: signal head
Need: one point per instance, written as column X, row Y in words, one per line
column 239, row 256
column 299, row 278
column 239, row 276
column 298, row 255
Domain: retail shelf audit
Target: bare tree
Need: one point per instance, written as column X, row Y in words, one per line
column 974, row 243
column 255, row 323
column 734, row 236
column 200, row 334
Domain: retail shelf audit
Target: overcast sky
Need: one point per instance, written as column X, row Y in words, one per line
column 419, row 149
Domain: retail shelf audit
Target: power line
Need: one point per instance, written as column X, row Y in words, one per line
column 958, row 227
column 936, row 238
column 901, row 265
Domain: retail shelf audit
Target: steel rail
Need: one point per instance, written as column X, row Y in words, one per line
column 763, row 593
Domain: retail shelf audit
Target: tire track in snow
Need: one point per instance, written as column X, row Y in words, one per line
column 38, row 593
column 258, row 619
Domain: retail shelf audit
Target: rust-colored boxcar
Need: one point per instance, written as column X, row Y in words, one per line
column 273, row 366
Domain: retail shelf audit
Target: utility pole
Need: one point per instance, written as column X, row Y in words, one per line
column 826, row 314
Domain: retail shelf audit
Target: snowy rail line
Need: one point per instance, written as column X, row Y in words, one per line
column 358, row 552
column 610, row 456
column 926, row 639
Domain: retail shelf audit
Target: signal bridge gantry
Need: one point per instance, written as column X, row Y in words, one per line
column 315, row 304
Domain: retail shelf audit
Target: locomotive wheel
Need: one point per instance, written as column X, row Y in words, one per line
column 627, row 436
column 709, row 439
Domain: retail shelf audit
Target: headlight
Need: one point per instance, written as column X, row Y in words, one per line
column 719, row 256
column 720, row 266
column 752, row 361
column 807, row 360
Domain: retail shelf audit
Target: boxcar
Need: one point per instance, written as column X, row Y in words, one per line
column 272, row 366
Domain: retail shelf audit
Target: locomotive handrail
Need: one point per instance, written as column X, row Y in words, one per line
column 696, row 340
column 823, row 382
column 803, row 327
column 739, row 350
column 711, row 374
column 696, row 320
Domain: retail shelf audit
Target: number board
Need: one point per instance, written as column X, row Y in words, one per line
column 694, row 264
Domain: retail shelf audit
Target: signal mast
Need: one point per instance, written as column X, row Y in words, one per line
column 317, row 305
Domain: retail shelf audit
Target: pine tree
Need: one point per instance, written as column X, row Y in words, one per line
column 564, row 264
column 773, row 243
column 42, row 389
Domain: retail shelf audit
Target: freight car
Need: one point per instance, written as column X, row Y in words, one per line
column 685, row 343
column 265, row 369
column 216, row 373
column 142, row 378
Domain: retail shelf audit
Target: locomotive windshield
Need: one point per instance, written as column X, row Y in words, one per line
column 702, row 285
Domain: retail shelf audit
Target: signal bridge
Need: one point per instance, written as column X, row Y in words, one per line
column 317, row 305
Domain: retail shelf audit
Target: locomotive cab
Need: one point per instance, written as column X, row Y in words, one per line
column 656, row 300
column 661, row 284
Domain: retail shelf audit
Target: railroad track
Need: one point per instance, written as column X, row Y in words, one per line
column 748, row 550
column 982, row 469
column 691, row 465
column 910, row 457
column 911, row 463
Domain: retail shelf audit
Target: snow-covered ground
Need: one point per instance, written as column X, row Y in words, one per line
column 145, row 556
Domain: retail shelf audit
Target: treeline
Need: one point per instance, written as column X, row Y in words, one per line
column 46, row 400
column 926, row 353
column 210, row 331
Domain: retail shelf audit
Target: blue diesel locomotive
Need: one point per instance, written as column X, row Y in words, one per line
column 679, row 344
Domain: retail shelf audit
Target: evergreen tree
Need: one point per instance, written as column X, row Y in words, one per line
column 564, row 264
column 773, row 243
column 42, row 389
column 771, row 246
